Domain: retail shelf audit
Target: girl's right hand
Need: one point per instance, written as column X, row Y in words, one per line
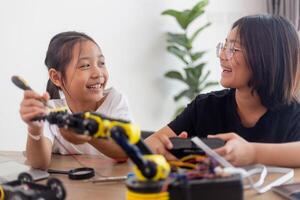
column 31, row 107
column 160, row 142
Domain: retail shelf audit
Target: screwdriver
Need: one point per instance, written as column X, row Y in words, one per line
column 22, row 84
column 108, row 179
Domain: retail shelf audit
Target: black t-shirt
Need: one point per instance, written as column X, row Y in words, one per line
column 216, row 112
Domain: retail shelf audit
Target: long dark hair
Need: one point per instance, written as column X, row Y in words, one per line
column 59, row 55
column 271, row 49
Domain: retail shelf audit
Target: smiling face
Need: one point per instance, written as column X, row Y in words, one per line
column 86, row 74
column 235, row 71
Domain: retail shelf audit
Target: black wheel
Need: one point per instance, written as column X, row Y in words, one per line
column 17, row 196
column 25, row 178
column 57, row 186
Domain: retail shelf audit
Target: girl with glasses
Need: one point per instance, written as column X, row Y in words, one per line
column 258, row 114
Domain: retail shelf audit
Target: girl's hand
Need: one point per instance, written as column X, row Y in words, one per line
column 160, row 144
column 31, row 107
column 236, row 150
column 73, row 137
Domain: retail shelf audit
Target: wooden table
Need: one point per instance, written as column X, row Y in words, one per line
column 107, row 167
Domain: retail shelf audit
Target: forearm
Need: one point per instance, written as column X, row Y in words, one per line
column 39, row 152
column 108, row 148
column 113, row 150
column 285, row 154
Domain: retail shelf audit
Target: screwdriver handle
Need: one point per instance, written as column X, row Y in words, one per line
column 22, row 84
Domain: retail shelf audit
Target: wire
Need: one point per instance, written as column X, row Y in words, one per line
column 197, row 158
column 181, row 164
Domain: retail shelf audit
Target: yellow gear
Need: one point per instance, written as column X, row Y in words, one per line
column 131, row 195
column 132, row 131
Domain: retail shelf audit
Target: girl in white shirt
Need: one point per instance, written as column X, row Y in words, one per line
column 76, row 67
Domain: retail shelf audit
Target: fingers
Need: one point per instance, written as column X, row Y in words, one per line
column 222, row 151
column 29, row 94
column 224, row 136
column 229, row 157
column 160, row 143
column 32, row 103
column 155, row 143
column 183, row 134
column 27, row 117
column 31, row 109
column 167, row 144
column 226, row 153
column 46, row 96
column 74, row 138
column 163, row 151
column 32, row 99
column 165, row 140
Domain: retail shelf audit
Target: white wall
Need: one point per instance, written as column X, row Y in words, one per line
column 132, row 36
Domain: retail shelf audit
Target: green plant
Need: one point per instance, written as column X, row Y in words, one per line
column 181, row 45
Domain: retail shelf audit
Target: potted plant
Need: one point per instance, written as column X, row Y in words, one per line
column 181, row 45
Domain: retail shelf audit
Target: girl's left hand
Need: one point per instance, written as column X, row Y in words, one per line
column 236, row 150
column 73, row 137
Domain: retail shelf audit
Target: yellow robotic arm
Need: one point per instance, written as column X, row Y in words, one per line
column 148, row 166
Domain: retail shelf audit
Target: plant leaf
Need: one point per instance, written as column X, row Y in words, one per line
column 197, row 55
column 180, row 39
column 174, row 75
column 180, row 16
column 198, row 70
column 186, row 17
column 196, row 11
column 181, row 45
column 200, row 66
column 178, row 52
column 191, row 77
column 198, row 31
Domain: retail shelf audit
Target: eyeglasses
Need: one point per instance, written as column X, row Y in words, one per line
column 228, row 48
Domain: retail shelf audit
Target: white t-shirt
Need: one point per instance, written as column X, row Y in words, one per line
column 115, row 105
